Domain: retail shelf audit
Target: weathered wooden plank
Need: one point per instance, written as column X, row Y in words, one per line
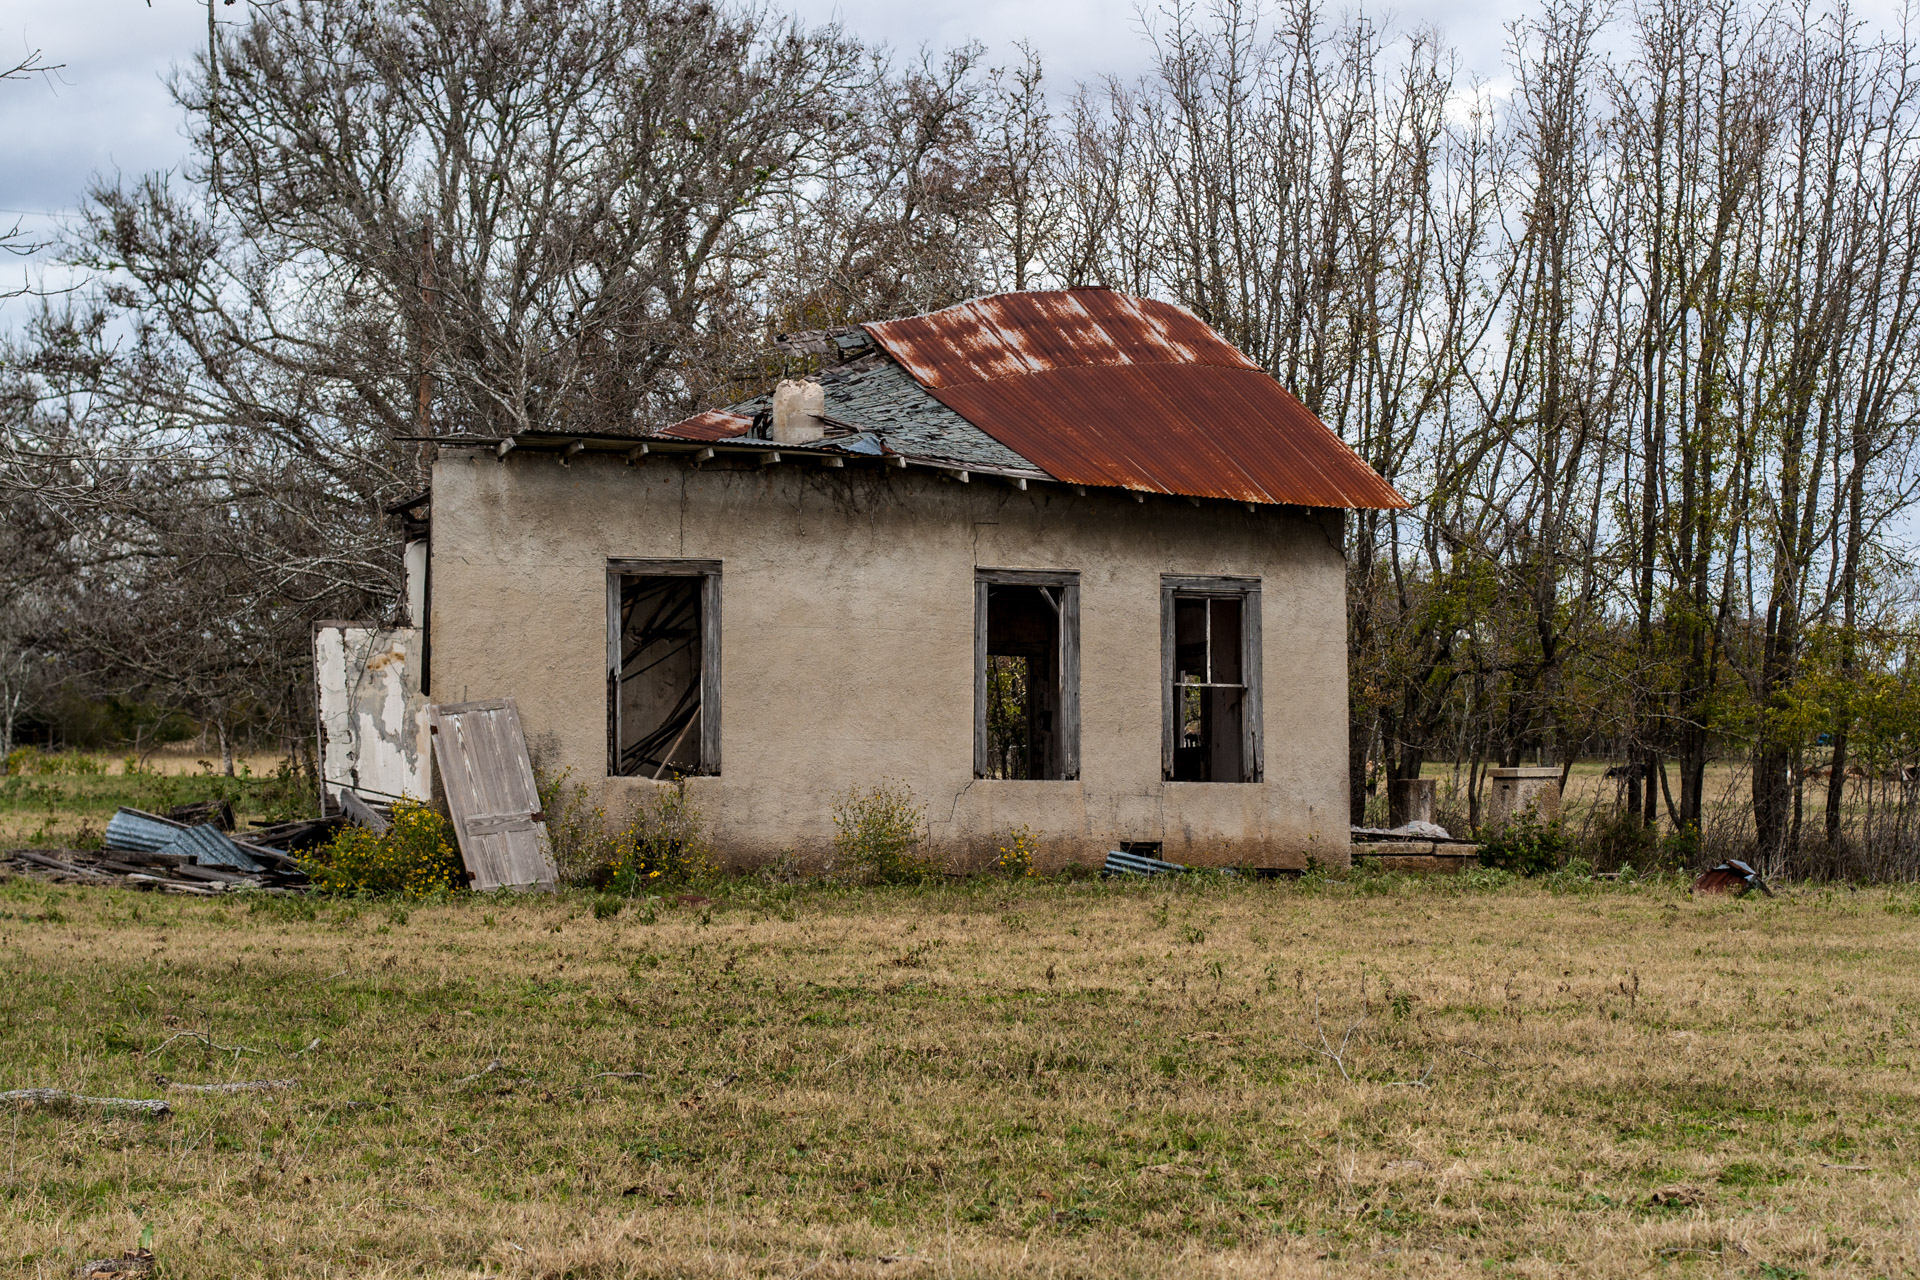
column 1169, row 709
column 1252, row 728
column 710, row 674
column 1070, row 679
column 980, row 596
column 491, row 792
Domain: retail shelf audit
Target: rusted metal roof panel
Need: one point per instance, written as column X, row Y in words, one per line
column 1009, row 334
column 1195, row 430
column 1099, row 388
column 714, row 424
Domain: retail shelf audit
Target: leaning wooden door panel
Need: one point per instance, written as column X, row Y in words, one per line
column 482, row 755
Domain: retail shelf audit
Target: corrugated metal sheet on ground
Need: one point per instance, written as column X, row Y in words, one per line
column 1099, row 388
column 1134, row 864
column 145, row 832
column 207, row 845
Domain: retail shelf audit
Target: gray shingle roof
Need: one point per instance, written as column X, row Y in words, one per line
column 883, row 399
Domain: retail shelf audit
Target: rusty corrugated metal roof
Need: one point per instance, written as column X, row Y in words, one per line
column 1099, row 388
column 714, row 424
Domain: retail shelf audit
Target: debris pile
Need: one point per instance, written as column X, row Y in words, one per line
column 171, row 854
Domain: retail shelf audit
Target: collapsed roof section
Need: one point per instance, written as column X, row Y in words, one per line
column 1086, row 387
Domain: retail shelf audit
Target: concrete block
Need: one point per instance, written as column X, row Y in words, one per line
column 1515, row 791
column 1409, row 800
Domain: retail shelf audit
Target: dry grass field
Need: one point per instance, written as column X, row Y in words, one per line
column 1374, row 1076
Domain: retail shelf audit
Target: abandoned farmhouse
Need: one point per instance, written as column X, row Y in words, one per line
column 1062, row 560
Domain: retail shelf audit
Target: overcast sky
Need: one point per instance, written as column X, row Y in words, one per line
column 108, row 108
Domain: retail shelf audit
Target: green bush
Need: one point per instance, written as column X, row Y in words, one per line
column 414, row 856
column 576, row 829
column 664, row 842
column 880, row 835
column 1525, row 846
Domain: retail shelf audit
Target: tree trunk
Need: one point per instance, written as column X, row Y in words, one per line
column 1836, row 787
column 1772, row 803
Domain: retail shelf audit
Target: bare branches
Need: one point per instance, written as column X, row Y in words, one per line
column 33, row 64
column 207, row 1040
column 1327, row 1050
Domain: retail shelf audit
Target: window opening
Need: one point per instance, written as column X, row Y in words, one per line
column 1027, row 677
column 662, row 673
column 1212, row 699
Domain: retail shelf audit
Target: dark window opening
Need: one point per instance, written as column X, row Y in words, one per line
column 662, row 674
column 1027, row 677
column 1023, row 682
column 1212, row 698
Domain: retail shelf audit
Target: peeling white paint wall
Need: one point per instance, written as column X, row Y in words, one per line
column 373, row 722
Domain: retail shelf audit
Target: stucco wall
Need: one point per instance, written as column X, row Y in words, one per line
column 847, row 644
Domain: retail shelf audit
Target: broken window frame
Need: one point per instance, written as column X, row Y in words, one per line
column 1066, row 583
column 709, row 572
column 1247, row 591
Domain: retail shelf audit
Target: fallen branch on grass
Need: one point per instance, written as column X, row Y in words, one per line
column 1476, row 1057
column 1326, row 1049
column 235, row 1049
column 61, row 1098
column 492, row 1067
column 238, row 1086
column 621, row 1075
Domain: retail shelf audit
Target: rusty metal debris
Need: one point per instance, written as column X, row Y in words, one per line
column 715, row 424
column 1732, row 876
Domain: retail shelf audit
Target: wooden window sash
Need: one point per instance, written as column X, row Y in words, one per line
column 1252, row 735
